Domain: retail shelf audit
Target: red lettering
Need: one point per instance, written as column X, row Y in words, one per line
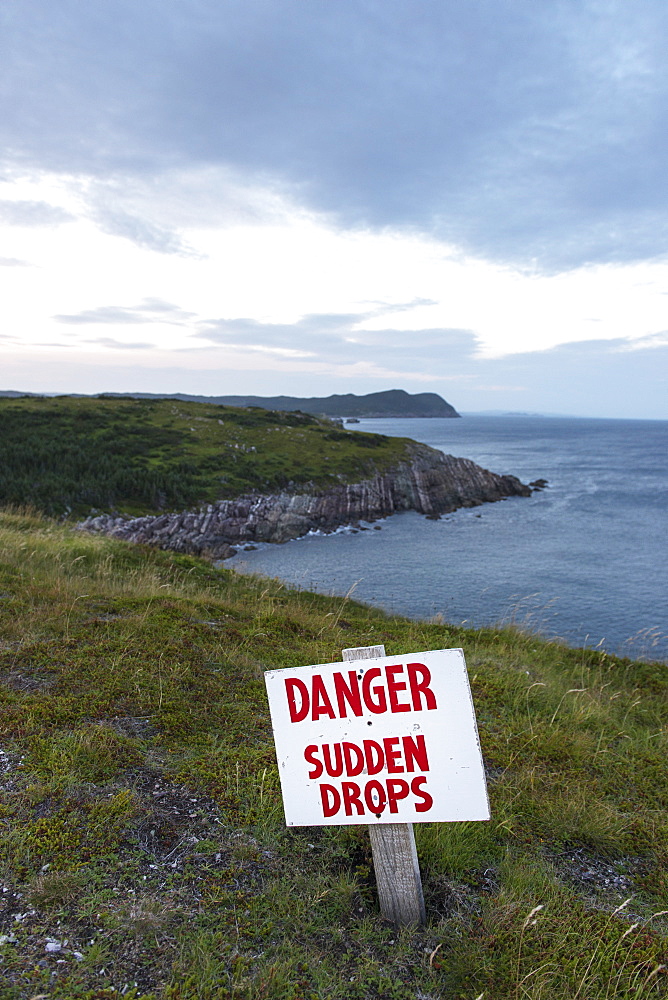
column 372, row 748
column 351, row 797
column 392, row 756
column 321, row 703
column 427, row 801
column 420, row 687
column 397, row 789
column 310, row 758
column 393, row 686
column 415, row 752
column 348, row 693
column 377, row 796
column 380, row 705
column 353, row 769
column 334, row 770
column 375, row 788
column 331, row 800
column 292, row 684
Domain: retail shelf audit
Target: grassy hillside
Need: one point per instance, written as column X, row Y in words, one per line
column 71, row 455
column 142, row 845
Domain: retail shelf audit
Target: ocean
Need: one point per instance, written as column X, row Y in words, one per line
column 585, row 560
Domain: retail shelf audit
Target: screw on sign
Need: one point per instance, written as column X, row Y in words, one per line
column 389, row 742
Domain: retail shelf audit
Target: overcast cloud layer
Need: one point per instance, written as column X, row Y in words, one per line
column 309, row 196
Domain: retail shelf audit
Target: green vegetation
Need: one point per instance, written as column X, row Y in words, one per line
column 71, row 455
column 142, row 845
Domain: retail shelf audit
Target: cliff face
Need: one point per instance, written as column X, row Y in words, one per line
column 429, row 482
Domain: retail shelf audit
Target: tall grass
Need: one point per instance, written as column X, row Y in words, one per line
column 141, row 818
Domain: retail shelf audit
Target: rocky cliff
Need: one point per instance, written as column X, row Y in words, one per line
column 428, row 481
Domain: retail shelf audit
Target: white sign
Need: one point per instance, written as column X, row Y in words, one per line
column 386, row 740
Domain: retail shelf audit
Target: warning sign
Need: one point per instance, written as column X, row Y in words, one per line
column 382, row 740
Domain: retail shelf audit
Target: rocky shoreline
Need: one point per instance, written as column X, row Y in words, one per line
column 428, row 482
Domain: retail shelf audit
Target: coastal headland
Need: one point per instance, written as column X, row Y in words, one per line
column 426, row 481
column 201, row 478
column 388, row 403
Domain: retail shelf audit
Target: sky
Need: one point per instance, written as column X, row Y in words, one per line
column 305, row 197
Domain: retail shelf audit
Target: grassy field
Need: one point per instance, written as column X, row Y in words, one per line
column 71, row 455
column 143, row 851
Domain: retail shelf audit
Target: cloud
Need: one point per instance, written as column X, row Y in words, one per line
column 123, row 345
column 326, row 331
column 104, row 314
column 336, row 340
column 150, row 311
column 645, row 343
column 142, row 232
column 295, row 282
column 13, row 262
column 53, row 344
column 33, row 213
column 317, row 336
column 519, row 131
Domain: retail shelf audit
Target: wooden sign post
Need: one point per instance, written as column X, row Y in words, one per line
column 383, row 741
column 395, row 860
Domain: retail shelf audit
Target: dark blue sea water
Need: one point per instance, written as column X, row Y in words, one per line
column 585, row 560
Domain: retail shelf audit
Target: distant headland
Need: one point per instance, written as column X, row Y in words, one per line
column 390, row 403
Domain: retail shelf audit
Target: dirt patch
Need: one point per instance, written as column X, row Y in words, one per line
column 27, row 681
column 136, row 727
column 603, row 882
column 9, row 762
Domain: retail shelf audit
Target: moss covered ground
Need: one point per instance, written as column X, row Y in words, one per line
column 143, row 851
column 71, row 455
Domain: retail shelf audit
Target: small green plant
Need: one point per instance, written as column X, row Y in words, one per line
column 91, row 754
column 147, row 916
column 53, row 889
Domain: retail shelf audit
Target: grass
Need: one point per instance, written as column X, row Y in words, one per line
column 143, row 851
column 72, row 455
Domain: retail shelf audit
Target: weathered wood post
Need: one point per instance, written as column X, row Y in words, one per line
column 395, row 858
column 335, row 770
